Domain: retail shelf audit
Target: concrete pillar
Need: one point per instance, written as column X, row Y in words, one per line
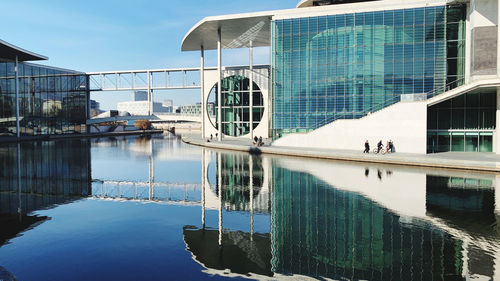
column 498, row 38
column 468, row 45
column 496, row 144
column 219, row 84
column 251, row 87
column 16, row 71
column 202, row 85
column 203, row 178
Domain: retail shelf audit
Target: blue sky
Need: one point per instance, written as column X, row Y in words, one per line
column 106, row 35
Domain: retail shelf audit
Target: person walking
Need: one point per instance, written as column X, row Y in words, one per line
column 367, row 147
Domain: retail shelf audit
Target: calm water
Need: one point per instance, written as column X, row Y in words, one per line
column 157, row 209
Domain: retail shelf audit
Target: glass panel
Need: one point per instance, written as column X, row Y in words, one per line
column 457, row 142
column 443, row 143
column 485, row 143
column 471, row 142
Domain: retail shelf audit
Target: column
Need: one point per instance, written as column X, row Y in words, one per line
column 219, row 185
column 87, row 79
column 203, row 177
column 219, row 85
column 152, row 100
column 16, row 71
column 498, row 39
column 496, row 144
column 202, row 85
column 149, row 92
column 251, row 87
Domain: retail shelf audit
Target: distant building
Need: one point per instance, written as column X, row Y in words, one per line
column 140, row 96
column 168, row 105
column 195, row 109
column 142, row 107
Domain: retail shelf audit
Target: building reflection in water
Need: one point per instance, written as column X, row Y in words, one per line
column 339, row 220
column 40, row 175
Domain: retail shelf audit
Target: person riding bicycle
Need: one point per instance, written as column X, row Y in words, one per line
column 379, row 146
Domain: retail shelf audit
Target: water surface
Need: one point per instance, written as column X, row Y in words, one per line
column 157, row 209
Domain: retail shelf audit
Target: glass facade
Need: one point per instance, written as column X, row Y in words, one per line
column 464, row 123
column 52, row 172
column 346, row 66
column 321, row 231
column 51, row 101
column 236, row 106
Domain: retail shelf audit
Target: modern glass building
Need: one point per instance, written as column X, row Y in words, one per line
column 347, row 65
column 424, row 73
column 49, row 100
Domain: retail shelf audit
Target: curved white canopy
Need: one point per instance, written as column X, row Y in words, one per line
column 236, row 32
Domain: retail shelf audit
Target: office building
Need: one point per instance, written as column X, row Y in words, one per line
column 423, row 73
column 140, row 96
column 39, row 100
column 141, row 108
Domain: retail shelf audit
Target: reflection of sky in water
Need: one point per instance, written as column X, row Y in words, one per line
column 128, row 161
column 324, row 218
column 110, row 241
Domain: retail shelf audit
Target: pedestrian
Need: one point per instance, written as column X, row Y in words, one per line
column 260, row 141
column 255, row 140
column 391, row 146
column 367, row 147
column 211, row 136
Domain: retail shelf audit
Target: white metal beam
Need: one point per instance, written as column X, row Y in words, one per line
column 142, row 79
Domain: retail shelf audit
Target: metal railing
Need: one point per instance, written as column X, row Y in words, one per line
column 452, row 85
column 396, row 99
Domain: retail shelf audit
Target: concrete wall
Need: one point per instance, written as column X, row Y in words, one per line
column 404, row 123
column 483, row 32
column 261, row 78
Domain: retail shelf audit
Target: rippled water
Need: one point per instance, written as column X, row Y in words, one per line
column 157, row 209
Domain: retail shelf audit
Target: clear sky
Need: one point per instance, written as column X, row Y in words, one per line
column 101, row 35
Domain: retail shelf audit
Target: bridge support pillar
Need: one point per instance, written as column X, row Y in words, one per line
column 150, row 94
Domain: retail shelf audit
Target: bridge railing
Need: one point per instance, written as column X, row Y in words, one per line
column 153, row 79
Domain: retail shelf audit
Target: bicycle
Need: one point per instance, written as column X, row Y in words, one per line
column 382, row 150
